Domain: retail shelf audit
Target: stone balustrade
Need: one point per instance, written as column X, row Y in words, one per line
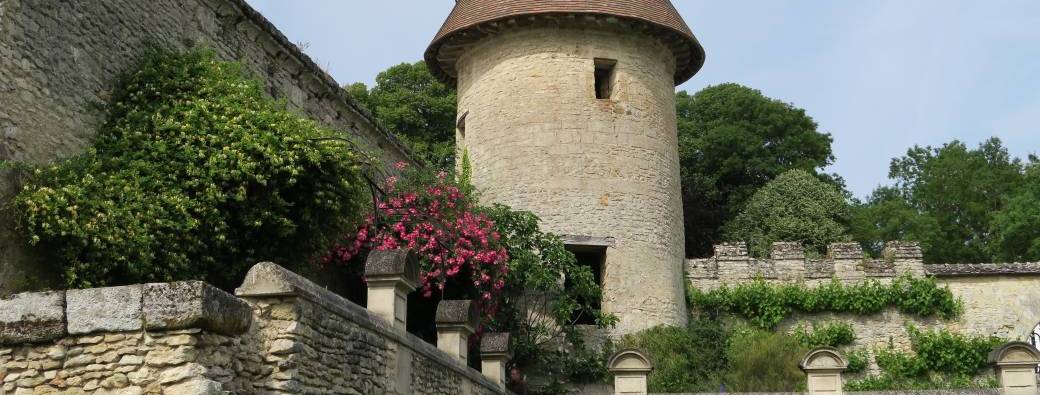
column 280, row 334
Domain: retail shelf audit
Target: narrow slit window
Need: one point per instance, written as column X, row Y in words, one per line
column 605, row 78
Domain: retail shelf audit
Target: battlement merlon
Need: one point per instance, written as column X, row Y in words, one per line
column 788, row 261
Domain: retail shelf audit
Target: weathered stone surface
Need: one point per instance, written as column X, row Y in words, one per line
column 113, row 309
column 458, row 313
column 397, row 263
column 494, row 344
column 605, row 168
column 194, row 304
column 32, row 317
column 982, row 269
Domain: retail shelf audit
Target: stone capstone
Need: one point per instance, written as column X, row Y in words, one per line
column 32, row 317
column 494, row 344
column 194, row 304
column 400, row 263
column 113, row 309
column 458, row 313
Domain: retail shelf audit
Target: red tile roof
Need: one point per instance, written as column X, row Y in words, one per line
column 474, row 19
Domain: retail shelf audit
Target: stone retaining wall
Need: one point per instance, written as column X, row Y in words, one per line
column 282, row 335
column 61, row 61
column 1000, row 299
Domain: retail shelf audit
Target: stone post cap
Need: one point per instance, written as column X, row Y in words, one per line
column 824, row 359
column 845, row 251
column 457, row 314
column 392, row 266
column 903, row 250
column 495, row 345
column 630, row 361
column 1015, row 353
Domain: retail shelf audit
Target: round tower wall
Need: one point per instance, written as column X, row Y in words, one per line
column 539, row 139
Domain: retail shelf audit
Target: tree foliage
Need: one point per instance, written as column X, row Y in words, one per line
column 1015, row 229
column 197, row 175
column 732, row 141
column 796, row 206
column 946, row 198
column 416, row 107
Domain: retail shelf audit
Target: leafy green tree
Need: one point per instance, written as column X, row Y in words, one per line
column 796, row 206
column 416, row 107
column 946, row 198
column 1015, row 230
column 686, row 359
column 197, row 175
column 732, row 141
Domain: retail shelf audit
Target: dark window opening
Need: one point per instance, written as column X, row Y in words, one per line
column 593, row 257
column 604, row 78
column 461, row 124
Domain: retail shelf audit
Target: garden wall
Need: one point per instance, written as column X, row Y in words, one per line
column 282, row 335
column 999, row 299
column 61, row 61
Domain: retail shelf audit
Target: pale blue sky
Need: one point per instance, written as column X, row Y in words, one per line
column 879, row 75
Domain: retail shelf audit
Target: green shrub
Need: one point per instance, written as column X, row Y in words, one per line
column 764, row 361
column 831, row 334
column 196, row 175
column 858, row 360
column 686, row 359
column 765, row 305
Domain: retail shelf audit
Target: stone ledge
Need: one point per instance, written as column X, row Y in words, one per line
column 32, row 317
column 981, row 269
column 269, row 280
column 194, row 304
column 113, row 309
column 45, row 316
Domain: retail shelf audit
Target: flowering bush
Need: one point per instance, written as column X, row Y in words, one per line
column 432, row 216
column 197, row 175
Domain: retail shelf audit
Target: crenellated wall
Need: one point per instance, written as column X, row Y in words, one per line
column 60, row 61
column 282, row 335
column 999, row 299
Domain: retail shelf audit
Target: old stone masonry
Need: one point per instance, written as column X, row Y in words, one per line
column 282, row 334
column 566, row 109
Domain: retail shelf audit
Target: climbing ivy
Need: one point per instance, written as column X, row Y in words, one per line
column 765, row 305
column 940, row 360
column 831, row 334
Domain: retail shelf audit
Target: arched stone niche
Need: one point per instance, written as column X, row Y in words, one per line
column 1015, row 365
column 630, row 369
column 823, row 368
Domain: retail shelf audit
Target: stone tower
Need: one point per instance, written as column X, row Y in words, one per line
column 567, row 109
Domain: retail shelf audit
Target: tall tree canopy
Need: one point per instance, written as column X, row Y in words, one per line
column 416, row 107
column 796, row 206
column 946, row 198
column 1015, row 230
column 732, row 141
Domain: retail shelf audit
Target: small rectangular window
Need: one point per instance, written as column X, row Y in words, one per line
column 593, row 257
column 604, row 77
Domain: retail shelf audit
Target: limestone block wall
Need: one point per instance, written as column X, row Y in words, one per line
column 540, row 140
column 60, row 60
column 999, row 299
column 283, row 335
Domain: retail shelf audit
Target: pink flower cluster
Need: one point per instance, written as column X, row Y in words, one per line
column 438, row 222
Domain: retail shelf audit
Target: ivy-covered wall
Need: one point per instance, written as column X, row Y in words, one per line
column 1001, row 300
column 62, row 60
